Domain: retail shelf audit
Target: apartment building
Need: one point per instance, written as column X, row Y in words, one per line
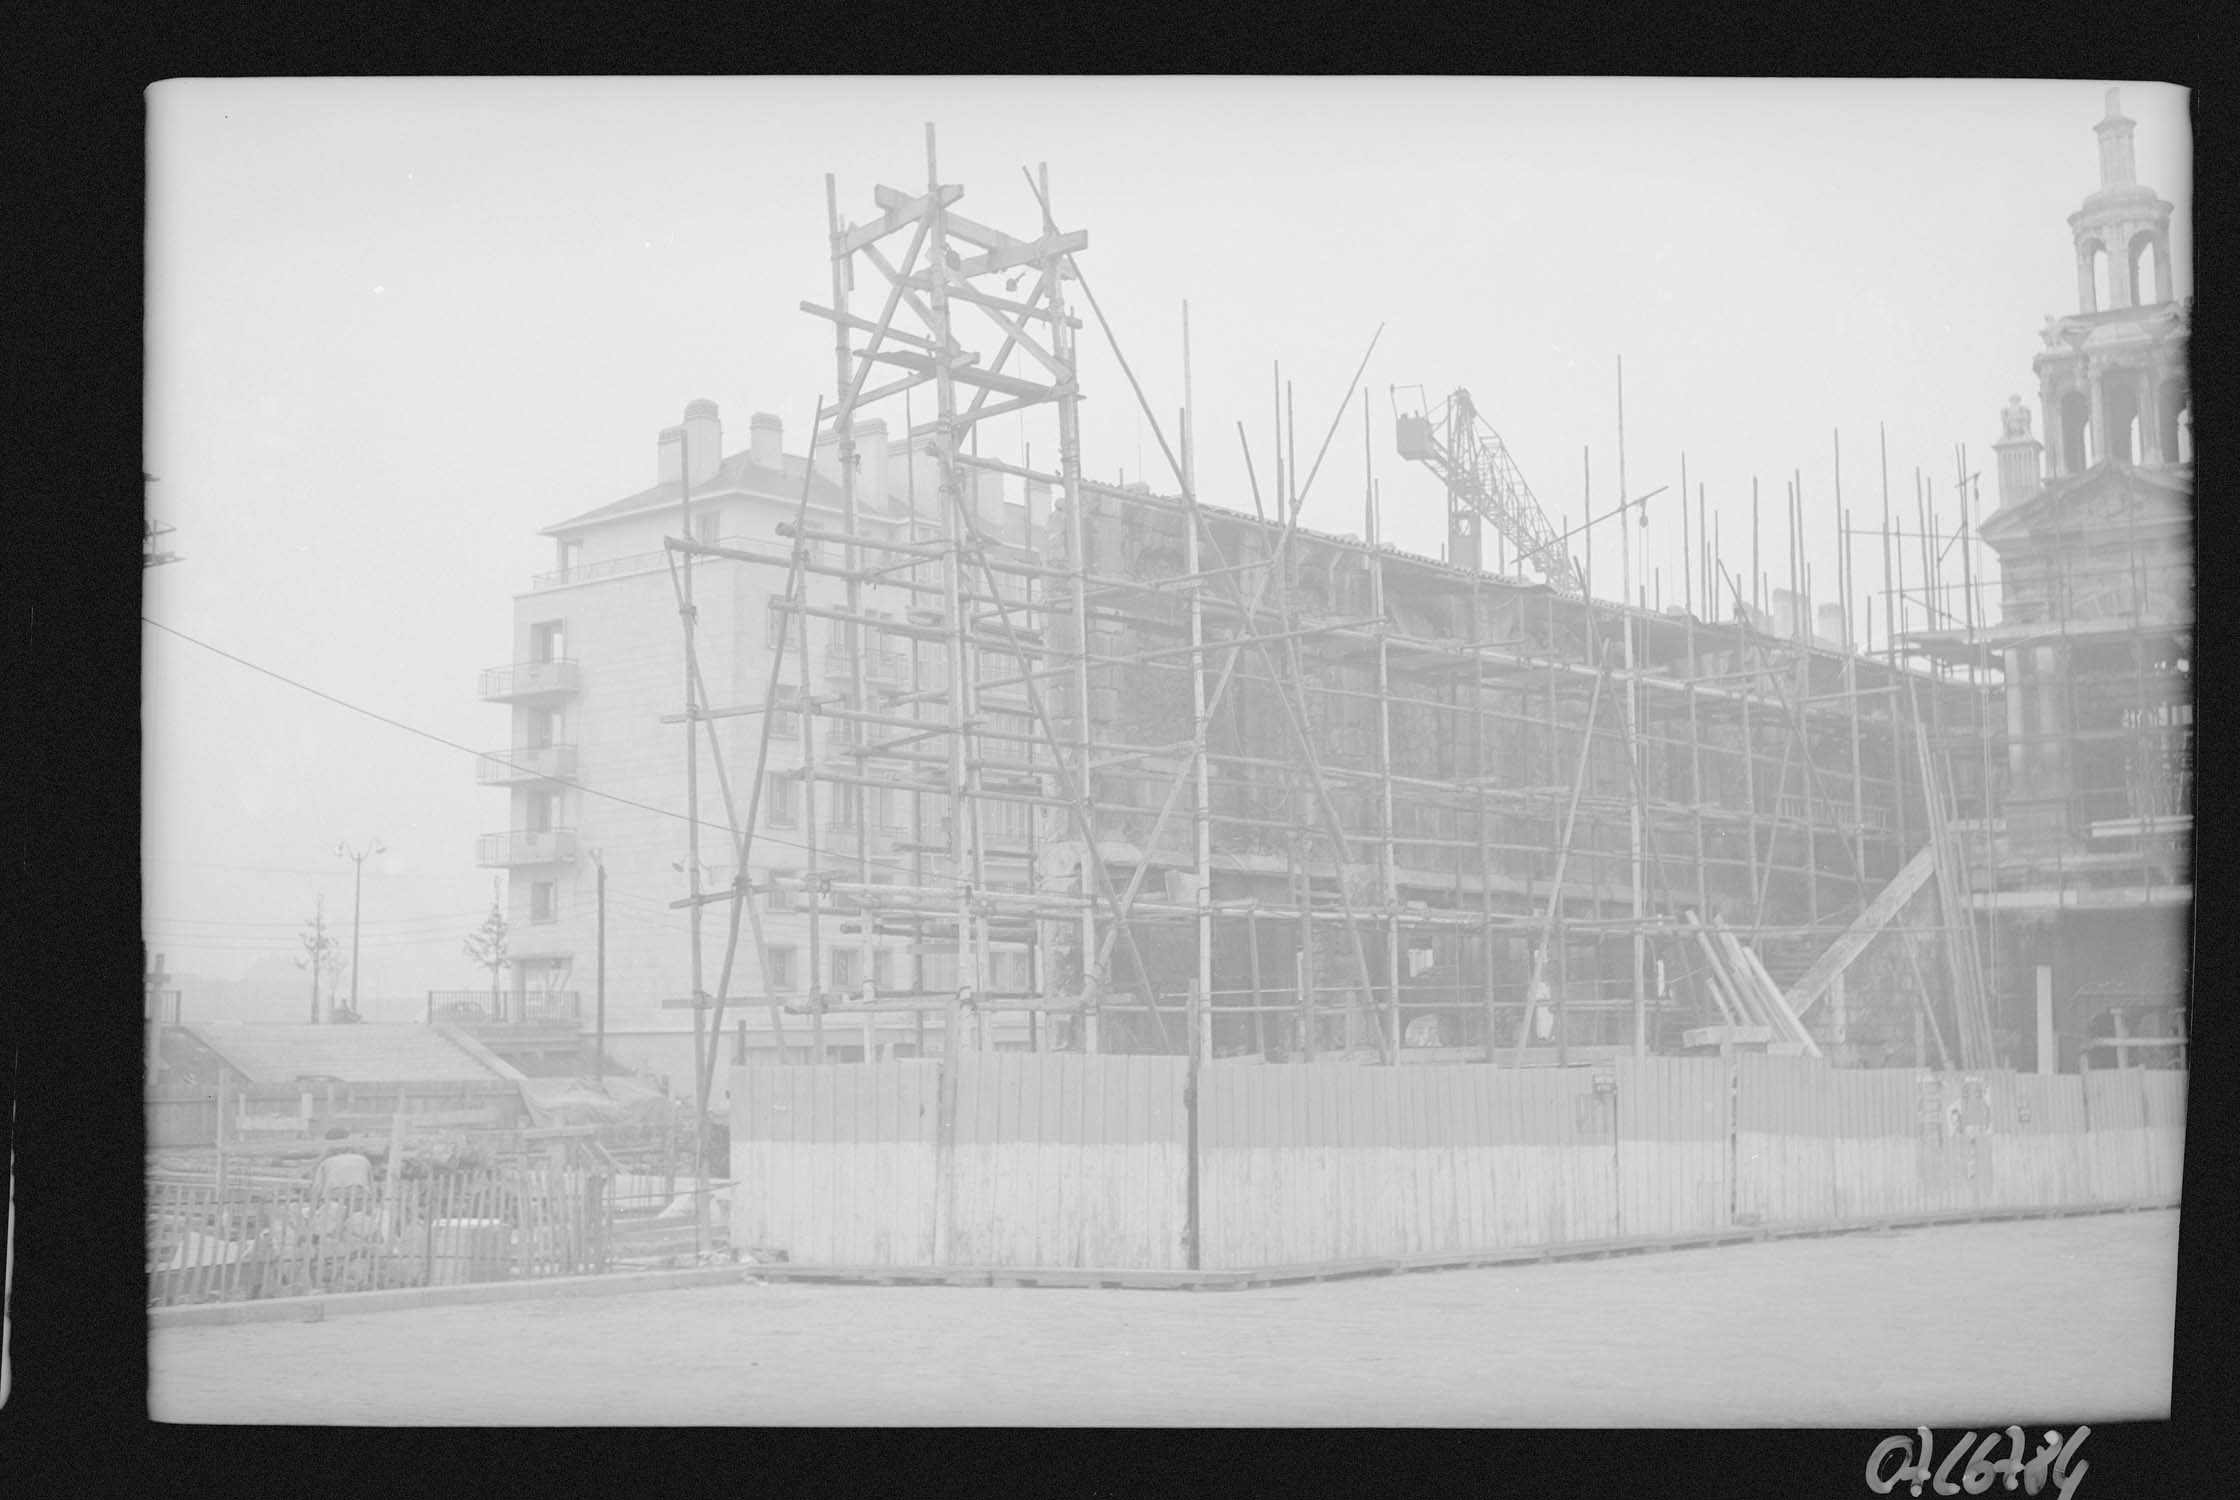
column 593, row 768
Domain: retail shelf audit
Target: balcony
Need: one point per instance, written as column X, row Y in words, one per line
column 526, row 763
column 524, row 846
column 527, row 679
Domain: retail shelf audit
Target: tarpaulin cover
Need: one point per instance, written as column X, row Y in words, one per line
column 620, row 1100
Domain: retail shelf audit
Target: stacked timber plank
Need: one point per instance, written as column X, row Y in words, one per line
column 1749, row 1002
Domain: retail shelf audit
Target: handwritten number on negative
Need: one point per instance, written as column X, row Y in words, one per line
column 1916, row 1455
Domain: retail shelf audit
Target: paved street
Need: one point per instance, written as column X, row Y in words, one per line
column 2049, row 1320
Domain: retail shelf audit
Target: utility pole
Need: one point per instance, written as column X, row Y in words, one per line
column 599, row 1057
column 357, row 893
column 314, row 956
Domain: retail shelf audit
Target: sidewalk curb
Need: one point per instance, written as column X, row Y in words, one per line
column 316, row 1309
column 397, row 1299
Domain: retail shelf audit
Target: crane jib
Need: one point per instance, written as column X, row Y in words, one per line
column 1482, row 481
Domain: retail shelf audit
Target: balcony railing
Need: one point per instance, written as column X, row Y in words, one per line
column 527, row 679
column 647, row 562
column 519, row 1009
column 522, row 846
column 526, row 763
column 612, row 567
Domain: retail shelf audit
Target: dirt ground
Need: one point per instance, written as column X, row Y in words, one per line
column 2054, row 1320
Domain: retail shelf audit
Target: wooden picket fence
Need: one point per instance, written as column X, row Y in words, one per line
column 268, row 1236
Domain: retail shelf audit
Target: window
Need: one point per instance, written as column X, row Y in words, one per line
column 538, row 811
column 548, row 640
column 775, row 896
column 781, row 800
column 707, row 528
column 1007, row 971
column 544, row 901
column 846, row 973
column 839, row 731
column 882, row 967
column 1004, row 824
column 571, row 557
column 785, row 722
column 781, row 975
column 542, row 729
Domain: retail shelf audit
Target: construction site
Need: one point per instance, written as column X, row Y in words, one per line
column 1126, row 883
column 1176, row 776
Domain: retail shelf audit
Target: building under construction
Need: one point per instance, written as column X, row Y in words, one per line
column 1028, row 760
column 1200, row 767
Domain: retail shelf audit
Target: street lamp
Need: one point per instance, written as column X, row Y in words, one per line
column 357, row 892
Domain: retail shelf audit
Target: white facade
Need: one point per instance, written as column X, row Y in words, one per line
column 589, row 765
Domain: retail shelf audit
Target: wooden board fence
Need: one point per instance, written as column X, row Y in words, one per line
column 1673, row 1146
column 1069, row 1160
column 1060, row 1160
column 1054, row 1160
column 2041, row 1155
column 1814, row 1143
column 2164, row 1093
column 1332, row 1161
column 835, row 1162
column 2137, row 1127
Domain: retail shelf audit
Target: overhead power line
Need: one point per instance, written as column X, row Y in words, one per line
column 761, row 836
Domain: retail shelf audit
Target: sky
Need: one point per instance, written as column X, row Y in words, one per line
column 397, row 326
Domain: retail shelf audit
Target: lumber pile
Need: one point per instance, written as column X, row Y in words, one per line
column 1748, row 1000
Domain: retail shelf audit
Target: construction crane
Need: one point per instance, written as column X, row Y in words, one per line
column 1483, row 484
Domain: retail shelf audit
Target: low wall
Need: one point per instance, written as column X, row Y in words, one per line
column 1114, row 1162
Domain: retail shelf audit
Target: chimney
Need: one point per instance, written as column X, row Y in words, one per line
column 1792, row 616
column 703, row 440
column 871, row 463
column 1832, row 629
column 670, row 450
column 2019, row 455
column 766, row 438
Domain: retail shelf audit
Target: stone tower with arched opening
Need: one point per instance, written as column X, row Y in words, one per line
column 2094, row 536
column 2111, row 380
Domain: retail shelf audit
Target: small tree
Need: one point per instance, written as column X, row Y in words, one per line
column 321, row 954
column 486, row 945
